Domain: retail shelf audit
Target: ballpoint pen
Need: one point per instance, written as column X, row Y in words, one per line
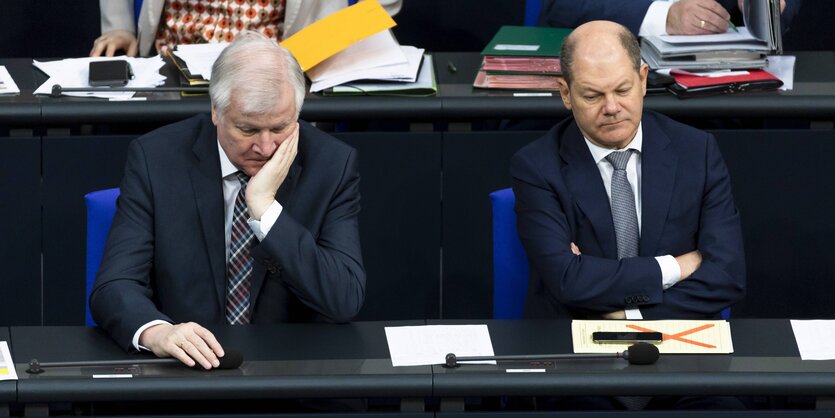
column 733, row 26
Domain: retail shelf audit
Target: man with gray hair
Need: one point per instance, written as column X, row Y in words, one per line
column 245, row 216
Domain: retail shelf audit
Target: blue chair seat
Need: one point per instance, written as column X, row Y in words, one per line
column 101, row 206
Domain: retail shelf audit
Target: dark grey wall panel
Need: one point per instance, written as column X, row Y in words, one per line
column 400, row 223
column 20, row 231
column 475, row 164
column 72, row 167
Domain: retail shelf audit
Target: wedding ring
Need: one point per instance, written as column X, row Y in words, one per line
column 702, row 24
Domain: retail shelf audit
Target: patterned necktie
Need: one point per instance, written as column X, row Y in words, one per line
column 624, row 214
column 239, row 265
column 625, row 218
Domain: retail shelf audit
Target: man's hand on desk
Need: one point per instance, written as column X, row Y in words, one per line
column 190, row 343
column 109, row 43
column 689, row 263
column 697, row 17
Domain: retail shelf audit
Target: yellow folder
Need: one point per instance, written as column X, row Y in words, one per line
column 332, row 34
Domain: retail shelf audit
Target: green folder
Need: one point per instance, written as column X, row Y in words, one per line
column 531, row 41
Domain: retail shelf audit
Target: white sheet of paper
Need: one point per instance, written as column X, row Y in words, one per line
column 74, row 72
column 7, row 84
column 375, row 51
column 200, row 58
column 782, row 67
column 7, row 370
column 405, row 72
column 815, row 338
column 730, row 36
column 429, row 344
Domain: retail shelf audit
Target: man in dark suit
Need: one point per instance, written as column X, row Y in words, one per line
column 655, row 17
column 247, row 216
column 649, row 232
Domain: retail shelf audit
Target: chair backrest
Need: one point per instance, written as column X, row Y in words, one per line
column 532, row 9
column 101, row 206
column 510, row 264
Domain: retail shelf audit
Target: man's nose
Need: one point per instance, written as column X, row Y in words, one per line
column 264, row 144
column 611, row 106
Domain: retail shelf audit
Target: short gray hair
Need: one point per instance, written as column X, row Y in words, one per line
column 249, row 68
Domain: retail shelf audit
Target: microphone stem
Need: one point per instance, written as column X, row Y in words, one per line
column 96, row 363
column 528, row 357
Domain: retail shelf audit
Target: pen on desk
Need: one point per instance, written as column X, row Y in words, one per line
column 733, row 26
column 451, row 67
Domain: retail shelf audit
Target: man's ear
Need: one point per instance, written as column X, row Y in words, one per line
column 564, row 93
column 643, row 72
column 215, row 115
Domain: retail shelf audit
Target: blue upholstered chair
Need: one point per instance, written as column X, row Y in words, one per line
column 101, row 206
column 510, row 264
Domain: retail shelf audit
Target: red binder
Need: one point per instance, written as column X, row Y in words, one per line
column 695, row 86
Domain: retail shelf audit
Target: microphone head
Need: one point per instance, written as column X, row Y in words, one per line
column 451, row 360
column 641, row 353
column 56, row 90
column 231, row 359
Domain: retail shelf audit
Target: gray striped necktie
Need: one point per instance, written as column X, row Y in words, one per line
column 624, row 214
column 625, row 217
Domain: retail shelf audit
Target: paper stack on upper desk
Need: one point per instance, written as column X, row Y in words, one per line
column 198, row 60
column 74, row 72
column 429, row 344
column 679, row 336
column 522, row 58
column 7, row 84
column 7, row 370
column 743, row 49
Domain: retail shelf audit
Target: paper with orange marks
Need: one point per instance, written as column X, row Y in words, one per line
column 679, row 336
column 337, row 31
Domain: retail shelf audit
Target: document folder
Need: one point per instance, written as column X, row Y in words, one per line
column 696, row 86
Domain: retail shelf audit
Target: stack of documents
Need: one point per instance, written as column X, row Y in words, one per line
column 195, row 62
column 743, row 48
column 522, row 58
column 74, row 73
column 7, row 84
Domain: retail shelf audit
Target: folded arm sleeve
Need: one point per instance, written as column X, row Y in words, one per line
column 573, row 13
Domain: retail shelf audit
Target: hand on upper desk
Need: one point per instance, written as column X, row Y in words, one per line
column 111, row 42
column 689, row 263
column 189, row 342
column 261, row 189
column 697, row 17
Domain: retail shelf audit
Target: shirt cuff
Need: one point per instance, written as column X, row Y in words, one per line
column 670, row 271
column 135, row 340
column 655, row 21
column 262, row 228
column 633, row 313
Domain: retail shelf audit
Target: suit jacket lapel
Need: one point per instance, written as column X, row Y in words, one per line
column 208, row 194
column 583, row 180
column 658, row 167
column 259, row 271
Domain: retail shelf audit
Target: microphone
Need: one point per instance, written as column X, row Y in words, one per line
column 639, row 353
column 57, row 90
column 231, row 360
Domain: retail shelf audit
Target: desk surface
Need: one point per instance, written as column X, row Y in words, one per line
column 288, row 361
column 280, row 362
column 812, row 99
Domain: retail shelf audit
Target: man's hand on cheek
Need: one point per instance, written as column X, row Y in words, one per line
column 261, row 189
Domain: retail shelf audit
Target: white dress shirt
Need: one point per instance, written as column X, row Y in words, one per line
column 655, row 21
column 670, row 271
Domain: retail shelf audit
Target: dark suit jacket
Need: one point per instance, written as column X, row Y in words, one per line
column 629, row 13
column 165, row 254
column 686, row 205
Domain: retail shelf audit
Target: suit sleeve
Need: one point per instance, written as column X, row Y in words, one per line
column 584, row 283
column 117, row 14
column 720, row 280
column 121, row 299
column 324, row 270
column 572, row 13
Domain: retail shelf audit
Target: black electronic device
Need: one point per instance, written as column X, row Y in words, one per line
column 626, row 337
column 114, row 73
